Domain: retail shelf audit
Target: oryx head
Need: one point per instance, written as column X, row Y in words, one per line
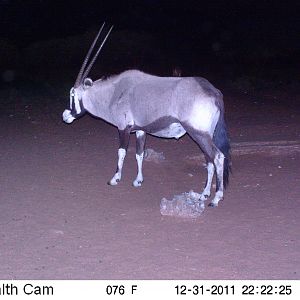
column 82, row 83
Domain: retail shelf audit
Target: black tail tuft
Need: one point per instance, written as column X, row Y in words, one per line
column 221, row 140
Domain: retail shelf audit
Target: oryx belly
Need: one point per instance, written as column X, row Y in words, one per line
column 165, row 127
column 174, row 130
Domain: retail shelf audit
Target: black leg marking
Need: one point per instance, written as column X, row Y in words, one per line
column 124, row 137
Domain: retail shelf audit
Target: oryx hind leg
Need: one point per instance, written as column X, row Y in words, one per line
column 210, row 174
column 140, row 147
column 215, row 163
column 124, row 136
column 219, row 165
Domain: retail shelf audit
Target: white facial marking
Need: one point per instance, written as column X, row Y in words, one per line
column 77, row 106
column 67, row 117
column 139, row 178
column 72, row 95
column 117, row 177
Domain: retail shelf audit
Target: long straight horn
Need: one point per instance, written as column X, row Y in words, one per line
column 79, row 76
column 86, row 72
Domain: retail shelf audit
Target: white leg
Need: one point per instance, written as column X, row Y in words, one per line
column 210, row 174
column 139, row 178
column 219, row 164
column 140, row 145
column 117, row 177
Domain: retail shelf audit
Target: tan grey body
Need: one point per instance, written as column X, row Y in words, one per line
column 166, row 107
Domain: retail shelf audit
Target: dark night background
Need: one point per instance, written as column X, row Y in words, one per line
column 254, row 42
column 60, row 220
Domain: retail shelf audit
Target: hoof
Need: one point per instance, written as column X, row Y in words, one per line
column 212, row 204
column 204, row 197
column 137, row 183
column 113, row 182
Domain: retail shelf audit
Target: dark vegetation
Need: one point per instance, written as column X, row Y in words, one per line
column 244, row 44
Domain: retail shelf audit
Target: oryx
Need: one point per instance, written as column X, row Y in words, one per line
column 166, row 107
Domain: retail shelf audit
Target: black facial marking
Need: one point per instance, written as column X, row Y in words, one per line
column 73, row 109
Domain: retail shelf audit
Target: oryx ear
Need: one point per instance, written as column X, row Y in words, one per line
column 88, row 82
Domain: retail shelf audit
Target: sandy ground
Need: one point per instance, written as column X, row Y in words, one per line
column 60, row 220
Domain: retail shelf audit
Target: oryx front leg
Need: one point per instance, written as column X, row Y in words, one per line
column 117, row 177
column 124, row 136
column 210, row 174
column 140, row 146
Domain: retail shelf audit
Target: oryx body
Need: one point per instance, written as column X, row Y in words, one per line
column 166, row 107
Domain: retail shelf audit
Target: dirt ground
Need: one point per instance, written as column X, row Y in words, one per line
column 60, row 220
